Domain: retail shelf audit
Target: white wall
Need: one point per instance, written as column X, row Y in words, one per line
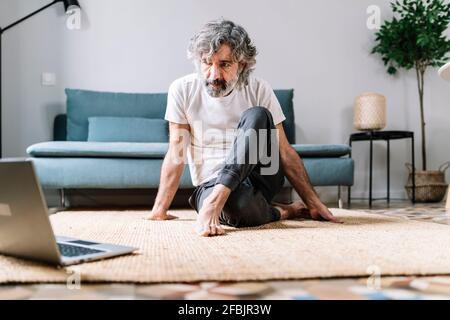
column 320, row 48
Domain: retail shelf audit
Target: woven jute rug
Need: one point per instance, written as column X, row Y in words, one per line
column 170, row 251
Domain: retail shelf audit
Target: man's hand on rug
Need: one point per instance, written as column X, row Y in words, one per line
column 159, row 215
column 319, row 211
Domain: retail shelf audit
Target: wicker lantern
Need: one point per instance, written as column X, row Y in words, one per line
column 370, row 111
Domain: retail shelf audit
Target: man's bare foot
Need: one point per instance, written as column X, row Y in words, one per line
column 294, row 210
column 208, row 224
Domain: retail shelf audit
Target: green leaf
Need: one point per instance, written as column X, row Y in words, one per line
column 392, row 70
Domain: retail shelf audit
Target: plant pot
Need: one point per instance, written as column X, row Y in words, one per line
column 430, row 184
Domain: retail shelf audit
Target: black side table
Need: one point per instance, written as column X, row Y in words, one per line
column 387, row 136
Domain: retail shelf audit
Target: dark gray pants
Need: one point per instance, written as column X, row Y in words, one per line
column 251, row 192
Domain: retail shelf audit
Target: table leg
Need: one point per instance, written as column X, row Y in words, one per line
column 370, row 170
column 413, row 170
column 388, row 169
column 349, row 197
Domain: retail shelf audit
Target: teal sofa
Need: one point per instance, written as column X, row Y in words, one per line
column 86, row 154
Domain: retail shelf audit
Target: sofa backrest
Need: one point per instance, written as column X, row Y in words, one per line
column 83, row 104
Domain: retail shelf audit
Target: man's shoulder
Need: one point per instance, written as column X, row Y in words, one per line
column 186, row 81
column 258, row 87
column 255, row 83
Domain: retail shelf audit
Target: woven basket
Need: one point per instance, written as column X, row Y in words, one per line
column 369, row 112
column 430, row 185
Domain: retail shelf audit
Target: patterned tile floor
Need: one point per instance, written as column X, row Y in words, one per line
column 370, row 288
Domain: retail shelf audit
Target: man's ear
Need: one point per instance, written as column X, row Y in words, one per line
column 242, row 66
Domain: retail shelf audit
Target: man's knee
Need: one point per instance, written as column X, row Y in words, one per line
column 242, row 213
column 260, row 117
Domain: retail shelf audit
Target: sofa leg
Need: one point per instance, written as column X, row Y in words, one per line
column 339, row 197
column 62, row 197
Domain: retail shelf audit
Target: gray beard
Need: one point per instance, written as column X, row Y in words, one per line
column 221, row 91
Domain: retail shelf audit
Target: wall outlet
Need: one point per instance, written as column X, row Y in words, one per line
column 48, row 79
column 5, row 210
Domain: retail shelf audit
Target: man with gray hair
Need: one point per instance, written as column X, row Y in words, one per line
column 202, row 108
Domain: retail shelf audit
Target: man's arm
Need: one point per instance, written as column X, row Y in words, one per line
column 295, row 172
column 171, row 171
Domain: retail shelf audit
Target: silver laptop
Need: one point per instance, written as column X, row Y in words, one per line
column 25, row 229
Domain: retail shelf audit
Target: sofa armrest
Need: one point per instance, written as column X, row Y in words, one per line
column 60, row 128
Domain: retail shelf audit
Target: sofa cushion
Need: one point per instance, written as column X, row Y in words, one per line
column 115, row 173
column 285, row 98
column 328, row 171
column 126, row 129
column 102, row 173
column 322, row 150
column 69, row 149
column 83, row 104
column 152, row 150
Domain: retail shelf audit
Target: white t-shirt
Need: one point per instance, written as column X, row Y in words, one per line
column 213, row 121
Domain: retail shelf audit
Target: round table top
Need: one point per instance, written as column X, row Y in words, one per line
column 444, row 71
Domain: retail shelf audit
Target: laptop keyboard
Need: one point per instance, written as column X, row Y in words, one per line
column 67, row 250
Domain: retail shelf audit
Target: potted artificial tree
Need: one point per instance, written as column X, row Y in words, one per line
column 415, row 39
